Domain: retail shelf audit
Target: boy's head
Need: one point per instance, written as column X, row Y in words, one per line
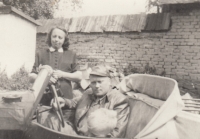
column 101, row 122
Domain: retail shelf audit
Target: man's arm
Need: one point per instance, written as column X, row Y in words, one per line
column 123, row 109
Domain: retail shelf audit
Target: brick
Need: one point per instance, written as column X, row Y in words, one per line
column 194, row 61
column 137, row 65
column 120, row 52
column 183, row 43
column 119, row 61
column 189, row 67
column 195, row 58
column 168, row 71
column 118, row 57
column 158, row 66
column 177, row 43
column 169, row 60
column 146, row 59
column 188, row 57
column 172, row 37
column 123, row 42
column 169, row 67
column 157, row 59
column 182, row 61
column 189, row 54
column 168, row 63
column 194, row 76
column 180, row 70
column 137, row 62
column 182, row 73
column 174, row 63
column 185, row 36
column 176, row 70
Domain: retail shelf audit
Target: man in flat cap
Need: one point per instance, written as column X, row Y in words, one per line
column 102, row 94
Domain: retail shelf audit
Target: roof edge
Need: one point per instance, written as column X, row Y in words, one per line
column 10, row 9
column 168, row 2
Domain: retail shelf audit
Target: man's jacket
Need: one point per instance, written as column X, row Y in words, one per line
column 115, row 101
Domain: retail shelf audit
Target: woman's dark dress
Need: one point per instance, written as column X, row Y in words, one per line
column 65, row 61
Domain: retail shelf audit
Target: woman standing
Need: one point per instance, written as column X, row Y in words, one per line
column 62, row 61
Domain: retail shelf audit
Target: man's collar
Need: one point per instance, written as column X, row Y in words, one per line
column 105, row 97
column 60, row 50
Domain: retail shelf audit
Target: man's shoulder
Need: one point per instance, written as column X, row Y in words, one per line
column 116, row 95
column 87, row 94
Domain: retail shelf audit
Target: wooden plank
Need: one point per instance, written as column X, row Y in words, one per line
column 151, row 22
column 119, row 26
column 106, row 23
column 113, row 23
column 166, row 21
column 137, row 22
column 103, row 23
column 98, row 24
column 73, row 25
column 142, row 22
column 87, row 29
column 158, row 22
column 125, row 23
column 84, row 24
column 79, row 24
column 161, row 2
column 92, row 24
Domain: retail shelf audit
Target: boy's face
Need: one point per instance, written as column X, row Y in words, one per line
column 100, row 85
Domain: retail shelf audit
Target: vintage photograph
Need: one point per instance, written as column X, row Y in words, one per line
column 90, row 69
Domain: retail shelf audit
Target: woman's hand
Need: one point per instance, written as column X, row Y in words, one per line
column 58, row 74
column 54, row 105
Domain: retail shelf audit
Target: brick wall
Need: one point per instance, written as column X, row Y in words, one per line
column 176, row 51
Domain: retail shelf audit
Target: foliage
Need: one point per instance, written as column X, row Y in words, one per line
column 38, row 9
column 146, row 70
column 152, row 4
column 18, row 81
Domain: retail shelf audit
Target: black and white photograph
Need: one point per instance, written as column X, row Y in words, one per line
column 91, row 69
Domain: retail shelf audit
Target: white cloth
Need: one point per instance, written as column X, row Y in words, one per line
column 60, row 50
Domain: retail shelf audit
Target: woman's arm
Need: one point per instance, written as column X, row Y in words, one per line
column 75, row 76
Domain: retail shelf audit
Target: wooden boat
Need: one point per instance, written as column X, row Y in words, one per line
column 155, row 102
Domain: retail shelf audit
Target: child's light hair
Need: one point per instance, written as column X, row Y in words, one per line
column 102, row 121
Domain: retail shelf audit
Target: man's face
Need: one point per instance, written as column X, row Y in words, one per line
column 100, row 85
